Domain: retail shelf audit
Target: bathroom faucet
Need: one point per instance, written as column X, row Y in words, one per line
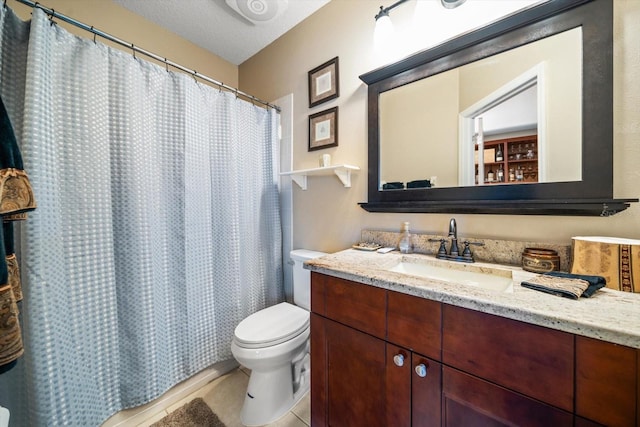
column 453, row 232
column 454, row 251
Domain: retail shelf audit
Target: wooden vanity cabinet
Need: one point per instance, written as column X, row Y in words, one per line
column 481, row 369
column 358, row 378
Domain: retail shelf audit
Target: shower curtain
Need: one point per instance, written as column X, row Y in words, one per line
column 157, row 229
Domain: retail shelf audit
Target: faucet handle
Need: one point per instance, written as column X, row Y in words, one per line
column 467, row 250
column 442, row 250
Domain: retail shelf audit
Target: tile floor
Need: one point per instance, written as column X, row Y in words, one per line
column 225, row 396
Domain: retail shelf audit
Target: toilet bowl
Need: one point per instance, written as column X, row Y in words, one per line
column 274, row 344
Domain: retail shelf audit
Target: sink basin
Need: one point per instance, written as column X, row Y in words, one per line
column 467, row 275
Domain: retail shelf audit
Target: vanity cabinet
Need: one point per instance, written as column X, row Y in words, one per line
column 358, row 378
column 383, row 358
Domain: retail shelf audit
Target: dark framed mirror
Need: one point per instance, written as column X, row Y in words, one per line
column 587, row 190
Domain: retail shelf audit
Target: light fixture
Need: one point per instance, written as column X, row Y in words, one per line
column 383, row 14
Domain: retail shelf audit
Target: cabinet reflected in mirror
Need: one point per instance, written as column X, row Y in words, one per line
column 429, row 128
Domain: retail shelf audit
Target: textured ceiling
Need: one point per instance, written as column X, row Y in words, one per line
column 214, row 26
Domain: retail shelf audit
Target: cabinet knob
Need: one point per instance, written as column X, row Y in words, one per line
column 421, row 370
column 398, row 359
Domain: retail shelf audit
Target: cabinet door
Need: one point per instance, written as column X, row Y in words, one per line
column 470, row 401
column 398, row 386
column 347, row 376
column 426, row 392
column 413, row 389
column 606, row 376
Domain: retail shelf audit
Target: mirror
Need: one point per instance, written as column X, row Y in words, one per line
column 436, row 120
column 582, row 126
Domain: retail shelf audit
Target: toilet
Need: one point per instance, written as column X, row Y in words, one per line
column 274, row 344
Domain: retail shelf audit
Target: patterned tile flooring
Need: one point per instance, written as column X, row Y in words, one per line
column 225, row 396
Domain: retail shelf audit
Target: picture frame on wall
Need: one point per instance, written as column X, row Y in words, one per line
column 323, row 129
column 324, row 83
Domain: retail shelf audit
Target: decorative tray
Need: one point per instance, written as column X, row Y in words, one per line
column 366, row 246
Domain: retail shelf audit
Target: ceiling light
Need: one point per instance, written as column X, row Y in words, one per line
column 258, row 11
column 451, row 4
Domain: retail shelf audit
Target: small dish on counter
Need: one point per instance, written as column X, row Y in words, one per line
column 366, row 246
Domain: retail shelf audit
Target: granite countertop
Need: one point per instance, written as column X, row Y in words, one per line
column 609, row 315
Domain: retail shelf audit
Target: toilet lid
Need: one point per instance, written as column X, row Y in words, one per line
column 272, row 325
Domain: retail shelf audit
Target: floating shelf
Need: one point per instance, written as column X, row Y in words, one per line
column 343, row 172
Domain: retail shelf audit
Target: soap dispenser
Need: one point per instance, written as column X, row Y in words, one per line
column 405, row 243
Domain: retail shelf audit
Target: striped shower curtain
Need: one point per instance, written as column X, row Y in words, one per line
column 157, row 228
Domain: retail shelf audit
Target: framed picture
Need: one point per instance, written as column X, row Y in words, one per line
column 323, row 129
column 324, row 83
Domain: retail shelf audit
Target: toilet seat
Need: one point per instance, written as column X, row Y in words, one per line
column 272, row 325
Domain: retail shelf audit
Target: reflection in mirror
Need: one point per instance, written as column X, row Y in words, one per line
column 429, row 128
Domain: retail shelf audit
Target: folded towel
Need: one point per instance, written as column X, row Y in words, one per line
column 566, row 285
column 420, row 183
column 393, row 186
column 595, row 282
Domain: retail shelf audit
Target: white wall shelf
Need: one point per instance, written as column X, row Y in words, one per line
column 343, row 172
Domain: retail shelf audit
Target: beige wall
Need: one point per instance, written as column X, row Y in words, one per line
column 113, row 19
column 327, row 217
column 411, row 147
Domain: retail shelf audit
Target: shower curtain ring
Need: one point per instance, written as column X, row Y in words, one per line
column 236, row 91
column 94, row 34
column 220, row 86
column 194, row 75
column 51, row 21
column 133, row 50
column 166, row 66
column 5, row 4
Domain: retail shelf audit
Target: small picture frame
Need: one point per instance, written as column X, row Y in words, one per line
column 324, row 83
column 323, row 129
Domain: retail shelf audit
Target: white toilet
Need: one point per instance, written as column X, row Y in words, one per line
column 274, row 344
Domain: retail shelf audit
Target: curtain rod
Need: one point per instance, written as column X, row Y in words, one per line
column 52, row 13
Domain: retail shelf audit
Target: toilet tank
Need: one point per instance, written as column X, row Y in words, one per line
column 302, row 277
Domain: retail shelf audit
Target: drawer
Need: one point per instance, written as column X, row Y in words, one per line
column 415, row 323
column 470, row 401
column 353, row 304
column 533, row 360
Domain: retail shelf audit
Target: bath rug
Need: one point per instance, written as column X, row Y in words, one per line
column 193, row 414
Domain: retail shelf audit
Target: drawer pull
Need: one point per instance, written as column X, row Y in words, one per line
column 398, row 359
column 421, row 370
